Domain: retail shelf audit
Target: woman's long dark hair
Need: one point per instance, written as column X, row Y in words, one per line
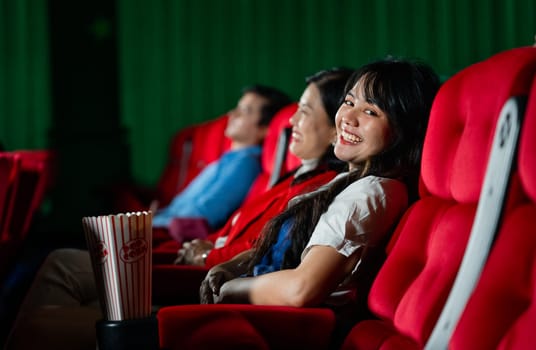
column 405, row 91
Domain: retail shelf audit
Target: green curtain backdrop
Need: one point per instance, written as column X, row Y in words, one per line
column 24, row 74
column 184, row 61
column 143, row 69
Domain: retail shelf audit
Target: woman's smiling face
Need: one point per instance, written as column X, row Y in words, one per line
column 312, row 132
column 363, row 129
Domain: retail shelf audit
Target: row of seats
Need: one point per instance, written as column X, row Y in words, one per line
column 25, row 176
column 408, row 294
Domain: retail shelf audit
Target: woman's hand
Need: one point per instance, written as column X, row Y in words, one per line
column 235, row 291
column 215, row 278
column 209, row 291
column 194, row 252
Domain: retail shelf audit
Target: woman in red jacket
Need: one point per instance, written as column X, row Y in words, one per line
column 313, row 133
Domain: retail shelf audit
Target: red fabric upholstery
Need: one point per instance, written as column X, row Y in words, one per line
column 188, row 155
column 243, row 326
column 412, row 286
column 36, row 176
column 25, row 177
column 501, row 312
column 175, row 174
column 163, row 245
column 269, row 151
column 9, row 170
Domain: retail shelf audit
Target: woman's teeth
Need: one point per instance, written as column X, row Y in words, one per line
column 350, row 137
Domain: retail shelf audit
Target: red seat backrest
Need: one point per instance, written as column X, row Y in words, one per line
column 501, row 312
column 9, row 172
column 191, row 150
column 208, row 144
column 269, row 150
column 411, row 288
column 24, row 187
column 36, row 176
column 173, row 178
column 280, row 122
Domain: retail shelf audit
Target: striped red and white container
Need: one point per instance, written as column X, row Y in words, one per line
column 120, row 247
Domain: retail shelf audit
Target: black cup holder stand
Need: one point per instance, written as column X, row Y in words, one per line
column 132, row 334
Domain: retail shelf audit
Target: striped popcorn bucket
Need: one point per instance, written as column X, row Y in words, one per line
column 120, row 247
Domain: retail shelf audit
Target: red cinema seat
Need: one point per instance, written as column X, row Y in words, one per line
column 411, row 288
column 37, row 176
column 208, row 144
column 175, row 173
column 9, row 171
column 280, row 122
column 131, row 197
column 189, row 153
column 501, row 312
column 243, row 327
column 426, row 250
column 31, row 175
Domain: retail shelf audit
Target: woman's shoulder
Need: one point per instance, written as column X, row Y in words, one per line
column 376, row 184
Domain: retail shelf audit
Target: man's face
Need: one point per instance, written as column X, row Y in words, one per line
column 243, row 126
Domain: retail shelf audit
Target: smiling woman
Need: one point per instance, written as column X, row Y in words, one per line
column 312, row 132
column 363, row 128
column 316, row 246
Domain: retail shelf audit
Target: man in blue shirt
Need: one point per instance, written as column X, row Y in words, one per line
column 222, row 186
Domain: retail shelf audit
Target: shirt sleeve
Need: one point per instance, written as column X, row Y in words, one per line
column 216, row 192
column 363, row 213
